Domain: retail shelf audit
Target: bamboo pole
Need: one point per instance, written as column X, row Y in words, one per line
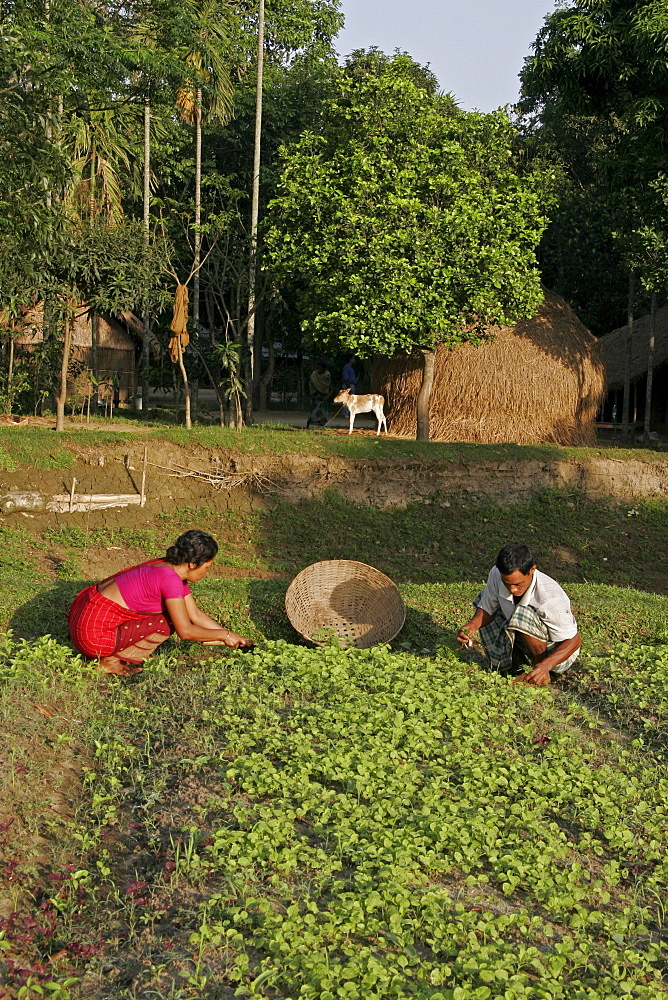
column 74, row 483
column 62, row 395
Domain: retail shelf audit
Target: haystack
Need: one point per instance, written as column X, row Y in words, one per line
column 613, row 348
column 541, row 381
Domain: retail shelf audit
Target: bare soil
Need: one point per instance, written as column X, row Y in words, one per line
column 378, row 482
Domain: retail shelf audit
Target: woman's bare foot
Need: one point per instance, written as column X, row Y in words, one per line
column 112, row 665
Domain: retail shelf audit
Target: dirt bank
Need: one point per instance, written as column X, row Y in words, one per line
column 385, row 483
column 245, row 481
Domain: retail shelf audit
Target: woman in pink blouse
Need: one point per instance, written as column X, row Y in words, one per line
column 121, row 620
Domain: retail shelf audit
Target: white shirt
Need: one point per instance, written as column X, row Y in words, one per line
column 544, row 595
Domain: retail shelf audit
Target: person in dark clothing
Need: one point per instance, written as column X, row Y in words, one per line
column 348, row 379
column 320, row 389
column 348, row 374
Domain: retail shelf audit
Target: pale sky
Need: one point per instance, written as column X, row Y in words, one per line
column 475, row 47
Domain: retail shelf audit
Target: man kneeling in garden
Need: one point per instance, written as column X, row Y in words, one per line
column 524, row 617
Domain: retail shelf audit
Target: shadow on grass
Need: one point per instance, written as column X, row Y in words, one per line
column 575, row 538
column 266, row 600
column 45, row 613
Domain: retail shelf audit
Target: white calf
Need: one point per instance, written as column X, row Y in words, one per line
column 363, row 404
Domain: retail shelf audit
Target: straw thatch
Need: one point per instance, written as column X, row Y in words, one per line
column 118, row 343
column 613, row 348
column 540, row 381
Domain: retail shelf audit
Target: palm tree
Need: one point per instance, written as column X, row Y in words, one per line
column 209, row 64
column 101, row 147
column 255, row 208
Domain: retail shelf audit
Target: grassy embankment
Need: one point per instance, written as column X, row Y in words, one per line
column 329, row 824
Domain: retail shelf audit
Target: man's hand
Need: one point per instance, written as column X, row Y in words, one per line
column 539, row 676
column 464, row 639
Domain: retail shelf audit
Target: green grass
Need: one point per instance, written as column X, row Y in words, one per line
column 574, row 537
column 33, row 447
column 327, row 824
column 75, row 537
column 41, row 448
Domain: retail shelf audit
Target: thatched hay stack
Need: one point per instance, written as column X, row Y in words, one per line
column 540, row 381
column 613, row 348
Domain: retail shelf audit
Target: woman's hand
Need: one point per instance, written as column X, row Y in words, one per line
column 235, row 641
column 232, row 640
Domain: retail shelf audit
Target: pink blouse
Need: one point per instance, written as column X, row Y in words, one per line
column 146, row 588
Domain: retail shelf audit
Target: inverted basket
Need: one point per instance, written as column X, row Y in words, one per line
column 345, row 599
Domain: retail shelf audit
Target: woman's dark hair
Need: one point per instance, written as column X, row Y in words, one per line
column 514, row 556
column 192, row 546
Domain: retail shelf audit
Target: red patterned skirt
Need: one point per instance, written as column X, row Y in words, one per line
column 100, row 627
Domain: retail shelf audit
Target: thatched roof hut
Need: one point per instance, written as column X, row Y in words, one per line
column 118, row 343
column 613, row 348
column 540, row 381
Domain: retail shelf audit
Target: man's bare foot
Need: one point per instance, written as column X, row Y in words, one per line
column 112, row 665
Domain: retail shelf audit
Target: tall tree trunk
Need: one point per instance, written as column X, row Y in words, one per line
column 265, row 381
column 145, row 362
column 428, row 359
column 198, row 207
column 10, row 374
column 301, row 394
column 194, row 389
column 94, row 344
column 64, row 366
column 258, row 344
column 186, row 389
column 628, row 348
column 650, row 373
column 255, row 209
column 91, row 189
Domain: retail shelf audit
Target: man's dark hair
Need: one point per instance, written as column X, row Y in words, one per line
column 514, row 556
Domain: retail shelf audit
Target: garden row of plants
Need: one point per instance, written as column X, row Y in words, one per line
column 329, row 823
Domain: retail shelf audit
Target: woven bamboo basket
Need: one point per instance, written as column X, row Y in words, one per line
column 349, row 600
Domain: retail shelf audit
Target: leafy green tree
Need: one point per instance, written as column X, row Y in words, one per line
column 403, row 223
column 209, row 67
column 103, row 268
column 602, row 67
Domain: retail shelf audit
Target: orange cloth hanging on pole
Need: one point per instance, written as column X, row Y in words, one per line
column 179, row 324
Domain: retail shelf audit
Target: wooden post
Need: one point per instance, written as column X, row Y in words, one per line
column 74, row 483
column 650, row 375
column 62, row 395
column 143, row 477
column 424, row 395
column 10, row 374
column 628, row 352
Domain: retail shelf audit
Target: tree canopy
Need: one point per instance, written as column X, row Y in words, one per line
column 403, row 222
